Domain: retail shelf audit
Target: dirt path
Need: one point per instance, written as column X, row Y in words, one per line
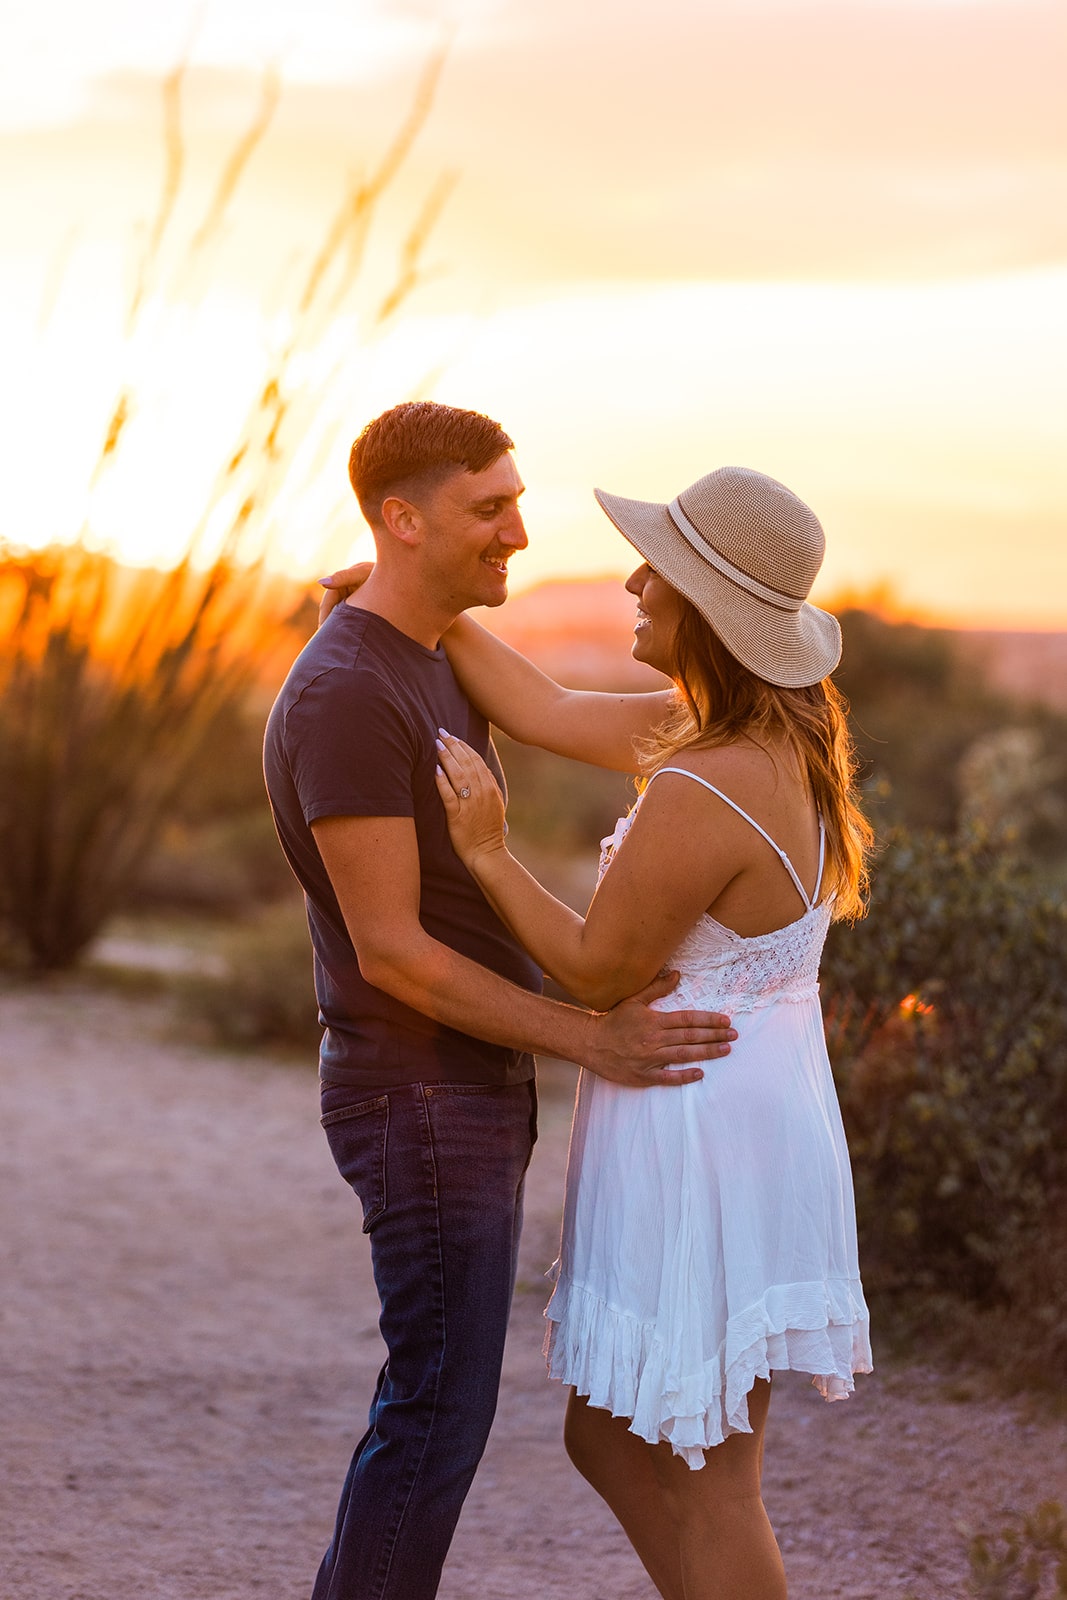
column 188, row 1341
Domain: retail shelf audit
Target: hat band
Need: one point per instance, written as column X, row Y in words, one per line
column 737, row 575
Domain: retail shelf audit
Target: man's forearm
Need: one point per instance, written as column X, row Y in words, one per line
column 632, row 1044
column 373, row 866
column 449, row 987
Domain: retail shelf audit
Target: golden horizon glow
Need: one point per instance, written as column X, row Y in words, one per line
column 863, row 295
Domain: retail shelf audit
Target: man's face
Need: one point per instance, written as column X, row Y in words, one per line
column 473, row 526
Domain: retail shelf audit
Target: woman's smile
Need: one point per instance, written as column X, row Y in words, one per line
column 659, row 611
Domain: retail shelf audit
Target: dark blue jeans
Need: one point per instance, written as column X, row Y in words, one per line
column 439, row 1171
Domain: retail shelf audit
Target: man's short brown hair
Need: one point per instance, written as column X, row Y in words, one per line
column 413, row 447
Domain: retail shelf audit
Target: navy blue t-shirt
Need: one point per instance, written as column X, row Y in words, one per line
column 352, row 734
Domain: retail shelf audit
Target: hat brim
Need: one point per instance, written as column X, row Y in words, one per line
column 791, row 649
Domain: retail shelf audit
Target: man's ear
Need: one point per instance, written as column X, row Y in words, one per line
column 401, row 519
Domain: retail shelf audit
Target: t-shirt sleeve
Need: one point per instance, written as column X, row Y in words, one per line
column 351, row 749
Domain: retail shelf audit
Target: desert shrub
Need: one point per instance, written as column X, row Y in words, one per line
column 1025, row 1560
column 223, row 867
column 226, row 780
column 923, row 714
column 110, row 683
column 947, row 1020
column 267, row 993
column 915, row 710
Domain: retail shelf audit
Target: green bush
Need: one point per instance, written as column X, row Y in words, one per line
column 1026, row 1560
column 226, row 867
column 922, row 710
column 267, row 995
column 111, row 683
column 947, row 1021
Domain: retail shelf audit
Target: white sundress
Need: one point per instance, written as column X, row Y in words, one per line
column 709, row 1231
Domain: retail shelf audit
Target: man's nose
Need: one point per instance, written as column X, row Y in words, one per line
column 513, row 532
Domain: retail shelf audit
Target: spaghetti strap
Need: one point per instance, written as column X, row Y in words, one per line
column 822, row 861
column 779, row 852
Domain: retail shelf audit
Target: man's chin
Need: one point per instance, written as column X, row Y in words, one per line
column 485, row 602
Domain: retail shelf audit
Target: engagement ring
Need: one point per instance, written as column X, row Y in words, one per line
column 464, row 793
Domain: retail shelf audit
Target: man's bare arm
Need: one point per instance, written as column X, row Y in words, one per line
column 373, row 865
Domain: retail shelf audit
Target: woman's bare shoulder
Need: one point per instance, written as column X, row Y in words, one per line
column 739, row 770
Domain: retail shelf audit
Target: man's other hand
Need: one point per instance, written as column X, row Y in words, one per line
column 339, row 585
column 636, row 1047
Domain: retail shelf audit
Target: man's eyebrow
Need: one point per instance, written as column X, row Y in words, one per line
column 497, row 499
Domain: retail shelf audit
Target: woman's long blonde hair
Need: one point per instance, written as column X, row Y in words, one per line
column 722, row 702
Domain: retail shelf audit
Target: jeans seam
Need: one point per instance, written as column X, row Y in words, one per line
column 383, row 1168
column 445, row 1087
column 442, row 1334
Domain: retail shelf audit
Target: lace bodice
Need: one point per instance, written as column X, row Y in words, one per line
column 722, row 970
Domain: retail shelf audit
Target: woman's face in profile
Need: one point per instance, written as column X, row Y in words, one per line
column 659, row 611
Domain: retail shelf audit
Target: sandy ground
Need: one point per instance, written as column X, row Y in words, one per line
column 188, row 1342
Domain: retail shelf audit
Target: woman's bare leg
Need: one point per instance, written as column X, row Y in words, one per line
column 620, row 1468
column 725, row 1540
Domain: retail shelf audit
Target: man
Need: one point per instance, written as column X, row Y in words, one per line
column 429, row 1007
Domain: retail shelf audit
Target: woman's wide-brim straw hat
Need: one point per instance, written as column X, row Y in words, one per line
column 746, row 551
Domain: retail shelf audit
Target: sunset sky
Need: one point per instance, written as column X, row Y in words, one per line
column 827, row 240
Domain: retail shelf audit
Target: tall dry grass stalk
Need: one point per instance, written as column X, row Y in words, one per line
column 112, row 681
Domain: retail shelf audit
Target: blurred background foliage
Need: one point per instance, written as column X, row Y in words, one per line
column 116, row 687
column 941, row 746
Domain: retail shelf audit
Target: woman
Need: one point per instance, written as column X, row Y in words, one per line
column 709, row 1234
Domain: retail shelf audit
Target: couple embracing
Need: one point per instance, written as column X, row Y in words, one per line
column 709, row 1233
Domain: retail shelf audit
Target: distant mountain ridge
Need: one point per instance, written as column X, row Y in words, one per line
column 581, row 632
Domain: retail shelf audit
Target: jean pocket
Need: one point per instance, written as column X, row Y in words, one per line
column 357, row 1135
